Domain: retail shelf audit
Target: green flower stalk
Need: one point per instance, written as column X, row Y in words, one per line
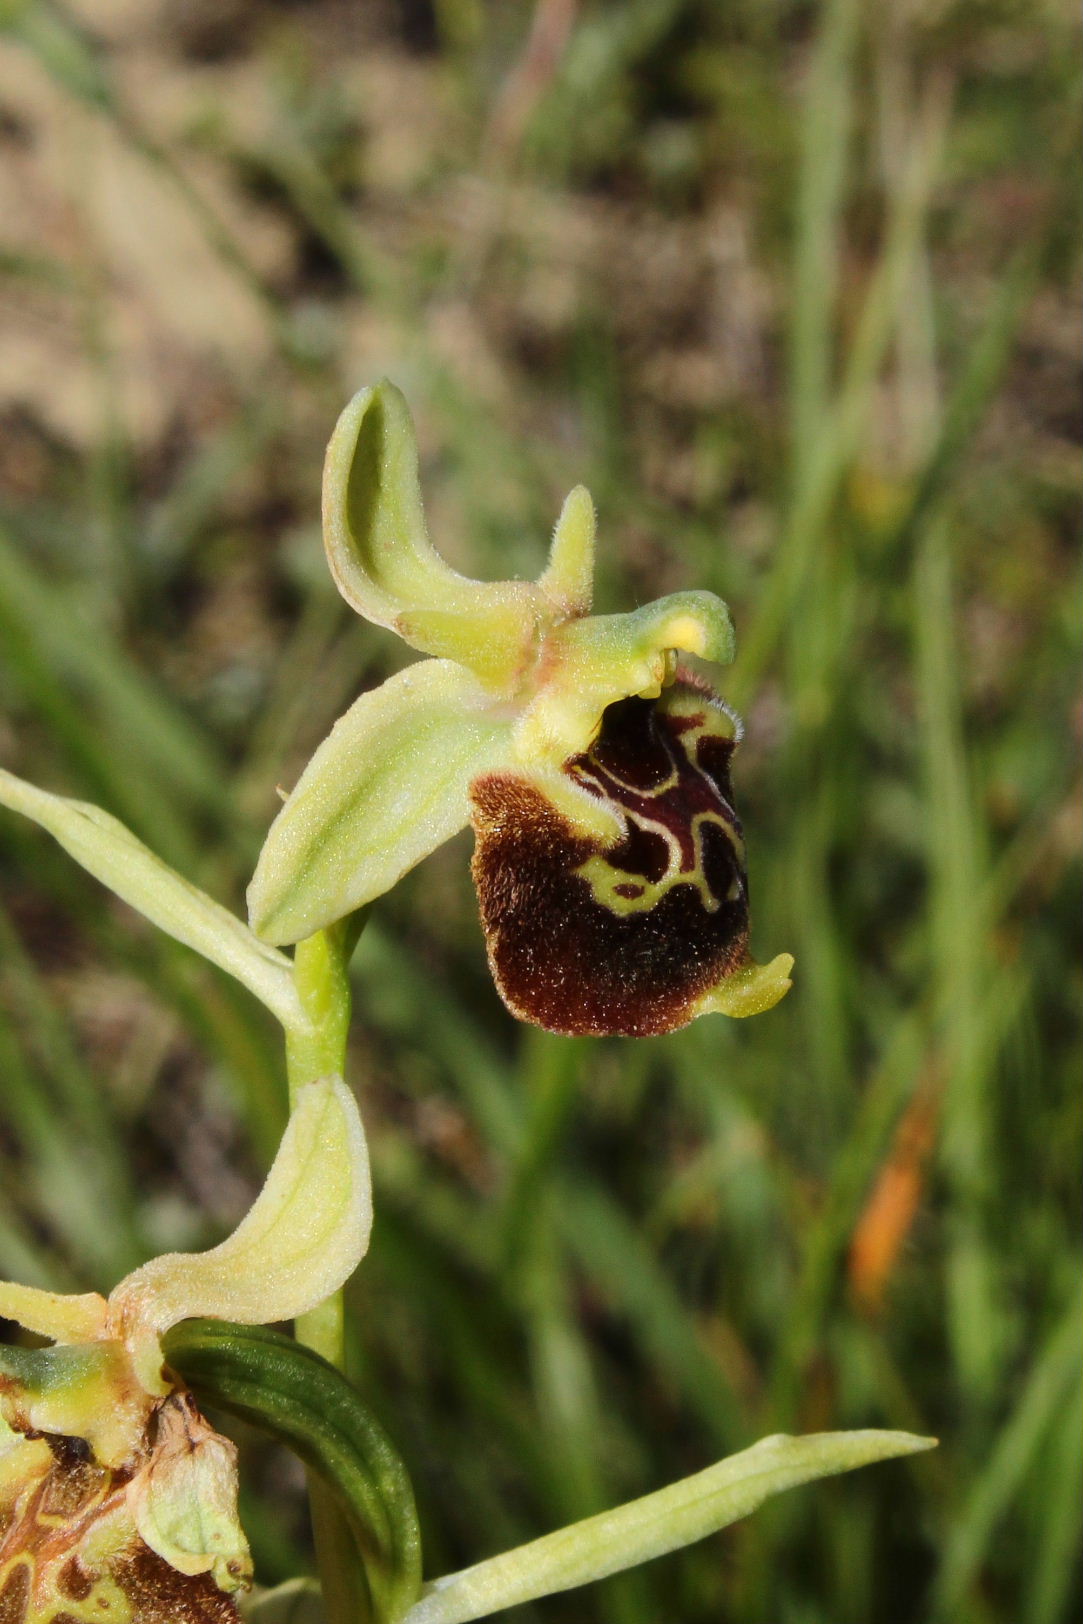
column 117, row 1499
column 592, row 763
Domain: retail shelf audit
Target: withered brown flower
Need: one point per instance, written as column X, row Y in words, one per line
column 118, row 1503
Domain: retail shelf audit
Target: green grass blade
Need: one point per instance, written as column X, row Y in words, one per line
column 1053, row 1376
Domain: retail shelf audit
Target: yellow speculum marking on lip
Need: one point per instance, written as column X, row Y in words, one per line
column 607, row 882
column 625, row 892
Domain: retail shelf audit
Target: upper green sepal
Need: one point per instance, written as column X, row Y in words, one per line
column 381, row 557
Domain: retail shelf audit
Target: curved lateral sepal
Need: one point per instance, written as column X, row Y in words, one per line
column 384, row 789
column 292, row 1393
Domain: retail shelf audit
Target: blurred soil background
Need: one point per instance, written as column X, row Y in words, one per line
column 793, row 288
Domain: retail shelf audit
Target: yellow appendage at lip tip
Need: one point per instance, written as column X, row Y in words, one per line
column 750, row 990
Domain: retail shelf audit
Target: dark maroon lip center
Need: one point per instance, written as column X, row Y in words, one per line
column 641, row 763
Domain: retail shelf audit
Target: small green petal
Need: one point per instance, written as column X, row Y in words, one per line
column 301, row 1240
column 381, row 558
column 53, row 1314
column 386, row 787
column 568, row 579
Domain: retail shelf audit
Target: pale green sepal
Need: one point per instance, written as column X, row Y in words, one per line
column 568, row 578
column 381, row 558
column 109, row 851
column 751, row 990
column 302, row 1238
column 386, row 787
column 660, row 1522
column 374, row 519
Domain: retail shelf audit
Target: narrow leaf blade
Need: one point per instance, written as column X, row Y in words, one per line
column 103, row 846
column 659, row 1522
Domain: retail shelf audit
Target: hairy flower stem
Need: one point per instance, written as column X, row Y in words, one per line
column 321, row 976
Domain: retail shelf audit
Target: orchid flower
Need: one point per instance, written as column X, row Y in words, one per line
column 593, row 763
column 118, row 1501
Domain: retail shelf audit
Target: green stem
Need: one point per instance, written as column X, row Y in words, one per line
column 321, row 976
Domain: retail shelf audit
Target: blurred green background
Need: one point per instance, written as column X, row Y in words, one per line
column 792, row 287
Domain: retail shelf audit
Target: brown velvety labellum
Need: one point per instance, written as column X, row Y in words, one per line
column 586, row 939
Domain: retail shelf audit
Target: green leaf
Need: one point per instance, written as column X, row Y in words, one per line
column 292, row 1393
column 386, row 787
column 109, row 851
column 660, row 1522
